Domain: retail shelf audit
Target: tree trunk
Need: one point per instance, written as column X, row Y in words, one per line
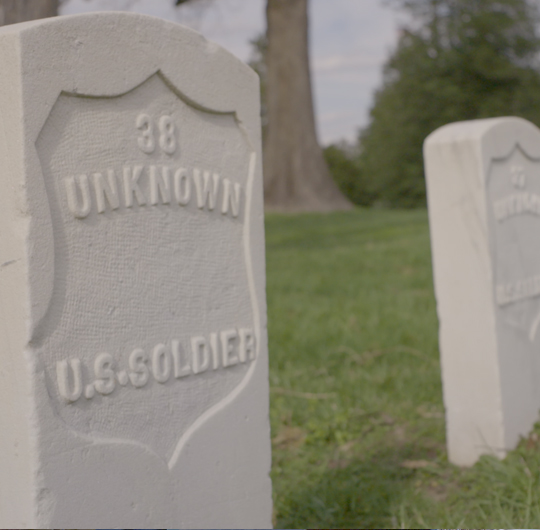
column 296, row 176
column 13, row 11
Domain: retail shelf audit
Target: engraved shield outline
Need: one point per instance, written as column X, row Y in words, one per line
column 57, row 297
column 516, row 347
column 502, row 148
column 69, row 82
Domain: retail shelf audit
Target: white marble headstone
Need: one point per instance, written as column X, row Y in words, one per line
column 483, row 182
column 133, row 382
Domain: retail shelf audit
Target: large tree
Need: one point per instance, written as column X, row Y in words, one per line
column 13, row 11
column 295, row 173
column 458, row 60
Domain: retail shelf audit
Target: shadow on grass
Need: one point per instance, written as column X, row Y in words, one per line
column 353, row 492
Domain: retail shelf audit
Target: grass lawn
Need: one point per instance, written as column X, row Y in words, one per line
column 356, row 401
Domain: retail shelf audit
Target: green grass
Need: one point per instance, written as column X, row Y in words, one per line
column 356, row 400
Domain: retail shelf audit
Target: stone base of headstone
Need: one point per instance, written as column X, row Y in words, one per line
column 134, row 378
column 483, row 180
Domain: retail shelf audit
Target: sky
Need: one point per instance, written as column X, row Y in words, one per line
column 349, row 43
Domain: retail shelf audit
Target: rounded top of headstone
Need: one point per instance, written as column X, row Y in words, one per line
column 121, row 21
column 106, row 54
column 508, row 131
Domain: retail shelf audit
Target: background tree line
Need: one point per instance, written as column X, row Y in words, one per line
column 456, row 60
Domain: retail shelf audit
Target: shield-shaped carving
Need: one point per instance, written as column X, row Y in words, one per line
column 514, row 206
column 152, row 318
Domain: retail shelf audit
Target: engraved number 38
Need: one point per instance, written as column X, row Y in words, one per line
column 166, row 134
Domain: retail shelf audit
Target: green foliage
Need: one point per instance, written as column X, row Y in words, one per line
column 460, row 60
column 356, row 401
column 342, row 162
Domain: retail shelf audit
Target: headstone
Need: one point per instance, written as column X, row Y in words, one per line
column 133, row 376
column 483, row 182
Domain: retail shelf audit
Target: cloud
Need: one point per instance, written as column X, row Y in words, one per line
column 335, row 63
column 328, row 117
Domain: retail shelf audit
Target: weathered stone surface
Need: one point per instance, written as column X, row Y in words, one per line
column 134, row 365
column 484, row 208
